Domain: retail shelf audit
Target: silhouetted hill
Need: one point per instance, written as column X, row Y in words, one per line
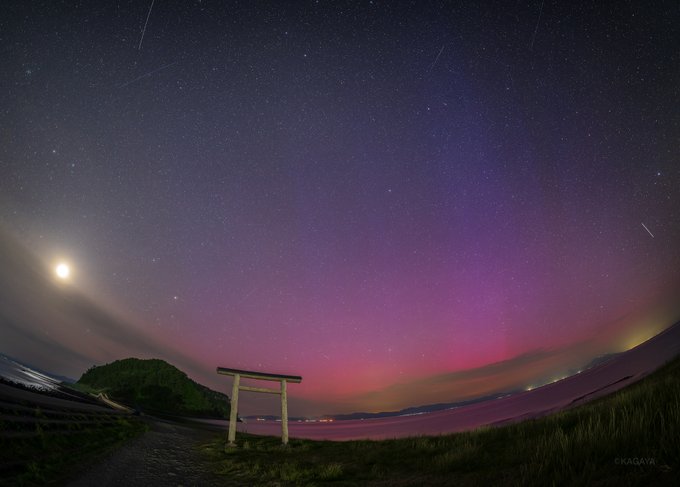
column 155, row 386
column 428, row 408
column 600, row 360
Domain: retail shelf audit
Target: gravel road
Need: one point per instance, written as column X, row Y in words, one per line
column 166, row 455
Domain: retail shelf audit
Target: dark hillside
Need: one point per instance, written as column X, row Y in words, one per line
column 156, row 386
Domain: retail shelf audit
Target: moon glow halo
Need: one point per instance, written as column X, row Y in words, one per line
column 63, row 271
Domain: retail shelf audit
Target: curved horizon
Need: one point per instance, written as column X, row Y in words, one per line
column 386, row 199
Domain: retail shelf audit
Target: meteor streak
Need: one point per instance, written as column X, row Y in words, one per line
column 645, row 226
column 139, row 48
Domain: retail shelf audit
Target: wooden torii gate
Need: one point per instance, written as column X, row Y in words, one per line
column 247, row 374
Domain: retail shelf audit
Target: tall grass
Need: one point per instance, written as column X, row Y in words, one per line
column 631, row 437
column 39, row 451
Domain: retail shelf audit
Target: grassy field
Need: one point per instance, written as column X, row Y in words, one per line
column 629, row 438
column 44, row 444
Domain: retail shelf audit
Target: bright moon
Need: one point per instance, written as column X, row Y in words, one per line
column 63, row 271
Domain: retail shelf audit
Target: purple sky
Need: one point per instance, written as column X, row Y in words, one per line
column 360, row 193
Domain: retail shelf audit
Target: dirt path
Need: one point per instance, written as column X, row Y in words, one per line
column 166, row 455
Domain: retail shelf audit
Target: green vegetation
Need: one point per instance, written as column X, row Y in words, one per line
column 46, row 444
column 155, row 386
column 629, row 438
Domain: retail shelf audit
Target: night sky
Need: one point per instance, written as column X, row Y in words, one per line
column 367, row 194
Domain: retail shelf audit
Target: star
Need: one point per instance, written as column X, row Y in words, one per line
column 341, row 179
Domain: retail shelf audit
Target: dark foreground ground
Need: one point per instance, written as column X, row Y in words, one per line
column 59, row 437
column 46, row 435
column 168, row 454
